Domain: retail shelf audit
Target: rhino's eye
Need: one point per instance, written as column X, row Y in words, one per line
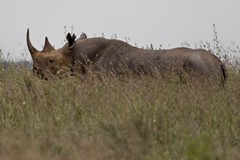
column 51, row 60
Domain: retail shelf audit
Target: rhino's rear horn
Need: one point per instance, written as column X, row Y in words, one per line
column 47, row 46
column 70, row 39
column 31, row 49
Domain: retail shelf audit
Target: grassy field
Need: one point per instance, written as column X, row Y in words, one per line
column 94, row 119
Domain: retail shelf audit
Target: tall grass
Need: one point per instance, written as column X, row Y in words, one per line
column 113, row 119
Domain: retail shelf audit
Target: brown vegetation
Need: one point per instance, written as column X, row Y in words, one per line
column 88, row 118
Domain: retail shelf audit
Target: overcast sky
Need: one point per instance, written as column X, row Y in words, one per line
column 144, row 21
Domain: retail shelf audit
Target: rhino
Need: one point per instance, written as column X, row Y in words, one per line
column 100, row 55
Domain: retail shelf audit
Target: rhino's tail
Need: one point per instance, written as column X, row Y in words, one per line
column 224, row 73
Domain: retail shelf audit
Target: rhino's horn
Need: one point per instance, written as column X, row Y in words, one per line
column 47, row 46
column 31, row 49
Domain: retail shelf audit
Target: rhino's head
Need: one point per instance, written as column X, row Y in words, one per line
column 51, row 61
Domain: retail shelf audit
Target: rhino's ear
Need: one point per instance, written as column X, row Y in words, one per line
column 70, row 39
column 47, row 46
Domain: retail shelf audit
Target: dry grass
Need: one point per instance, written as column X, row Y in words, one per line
column 113, row 119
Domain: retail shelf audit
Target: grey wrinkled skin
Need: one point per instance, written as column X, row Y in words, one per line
column 114, row 56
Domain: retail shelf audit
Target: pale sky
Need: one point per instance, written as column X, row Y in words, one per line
column 144, row 21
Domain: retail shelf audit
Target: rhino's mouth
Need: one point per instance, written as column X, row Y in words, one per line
column 47, row 74
column 41, row 73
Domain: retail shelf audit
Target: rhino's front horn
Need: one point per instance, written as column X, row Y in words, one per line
column 31, row 49
column 47, row 46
